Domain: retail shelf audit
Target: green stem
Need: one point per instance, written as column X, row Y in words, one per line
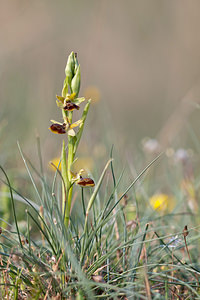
column 70, row 187
column 65, row 183
column 68, row 206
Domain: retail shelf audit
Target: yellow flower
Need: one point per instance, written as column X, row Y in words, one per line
column 92, row 92
column 162, row 202
column 53, row 164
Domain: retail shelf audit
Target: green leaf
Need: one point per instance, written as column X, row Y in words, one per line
column 92, row 198
column 91, row 201
column 80, row 131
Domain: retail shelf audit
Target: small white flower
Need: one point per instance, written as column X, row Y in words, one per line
column 151, row 146
column 181, row 155
column 53, row 259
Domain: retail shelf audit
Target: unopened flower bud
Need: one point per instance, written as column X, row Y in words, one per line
column 69, row 69
column 185, row 231
column 76, row 81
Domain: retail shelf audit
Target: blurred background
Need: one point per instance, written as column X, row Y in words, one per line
column 140, row 61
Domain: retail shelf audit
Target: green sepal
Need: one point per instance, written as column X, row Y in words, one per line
column 78, row 101
column 65, row 87
column 76, row 82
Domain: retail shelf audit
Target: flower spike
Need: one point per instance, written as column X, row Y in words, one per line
column 69, row 101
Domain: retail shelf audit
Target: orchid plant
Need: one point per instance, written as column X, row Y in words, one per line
column 68, row 102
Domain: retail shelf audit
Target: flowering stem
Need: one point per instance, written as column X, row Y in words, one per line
column 70, row 187
column 65, row 183
column 67, row 177
column 68, row 102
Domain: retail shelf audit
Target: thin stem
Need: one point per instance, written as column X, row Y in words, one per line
column 83, row 202
column 65, row 183
column 70, row 186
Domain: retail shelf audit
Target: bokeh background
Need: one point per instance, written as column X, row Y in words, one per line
column 142, row 59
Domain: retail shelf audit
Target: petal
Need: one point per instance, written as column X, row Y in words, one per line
column 60, row 98
column 71, row 132
column 86, row 182
column 56, row 122
column 69, row 106
column 72, row 96
column 57, row 128
column 75, row 124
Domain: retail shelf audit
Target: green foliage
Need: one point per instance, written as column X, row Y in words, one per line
column 95, row 247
